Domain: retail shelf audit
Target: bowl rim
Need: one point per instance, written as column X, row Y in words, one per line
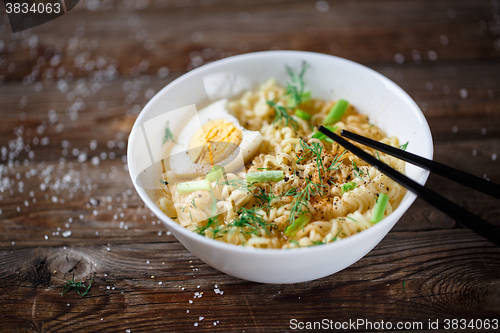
column 171, row 224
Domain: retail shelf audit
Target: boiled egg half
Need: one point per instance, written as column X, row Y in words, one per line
column 213, row 137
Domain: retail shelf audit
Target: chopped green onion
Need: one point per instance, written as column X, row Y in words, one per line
column 379, row 210
column 302, row 114
column 265, row 176
column 298, row 224
column 214, row 174
column 197, row 185
column 336, row 112
column 306, row 97
column 320, row 136
column 348, row 187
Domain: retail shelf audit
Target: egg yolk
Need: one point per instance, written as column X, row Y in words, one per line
column 214, row 142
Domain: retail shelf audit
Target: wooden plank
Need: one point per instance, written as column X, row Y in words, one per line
column 368, row 32
column 430, row 263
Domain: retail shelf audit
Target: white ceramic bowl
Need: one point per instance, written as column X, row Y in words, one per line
column 329, row 77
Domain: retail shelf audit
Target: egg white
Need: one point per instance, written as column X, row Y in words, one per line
column 179, row 160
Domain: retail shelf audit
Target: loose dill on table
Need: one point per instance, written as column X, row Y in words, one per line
column 72, row 284
column 403, row 147
column 168, row 136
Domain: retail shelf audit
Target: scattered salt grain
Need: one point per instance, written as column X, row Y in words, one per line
column 95, row 161
column 399, row 58
column 201, row 318
column 493, row 157
column 463, row 93
column 322, row 6
column 46, row 237
column 454, row 129
column 66, row 233
column 190, row 302
column 195, row 324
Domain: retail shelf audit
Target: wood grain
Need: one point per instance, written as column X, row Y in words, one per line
column 97, row 66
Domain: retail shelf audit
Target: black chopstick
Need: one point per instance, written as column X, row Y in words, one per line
column 458, row 176
column 458, row 213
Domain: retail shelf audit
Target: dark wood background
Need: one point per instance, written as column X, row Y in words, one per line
column 95, row 68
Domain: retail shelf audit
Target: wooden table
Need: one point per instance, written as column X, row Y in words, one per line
column 71, row 89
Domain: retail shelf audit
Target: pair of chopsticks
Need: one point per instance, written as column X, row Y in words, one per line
column 458, row 213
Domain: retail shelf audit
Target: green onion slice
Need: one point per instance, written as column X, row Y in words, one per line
column 265, row 176
column 379, row 210
column 197, row 185
column 306, row 97
column 336, row 112
column 214, row 174
column 298, row 224
column 302, row 114
column 320, row 136
column 348, row 187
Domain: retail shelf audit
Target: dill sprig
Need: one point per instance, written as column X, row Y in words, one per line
column 299, row 203
column 294, row 93
column 194, row 203
column 403, row 147
column 315, row 149
column 168, row 136
column 263, row 198
column 253, row 221
column 71, row 284
column 336, row 162
column 213, row 224
column 357, row 171
column 295, row 88
column 282, row 115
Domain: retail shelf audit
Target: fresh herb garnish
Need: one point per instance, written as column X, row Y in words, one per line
column 378, row 156
column 168, row 136
column 315, row 149
column 71, row 284
column 403, row 147
column 251, row 220
column 295, row 88
column 163, row 182
column 213, row 224
column 194, row 203
column 357, row 171
column 282, row 115
column 336, row 162
column 294, row 95
column 299, row 203
column 348, row 187
column 335, row 238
